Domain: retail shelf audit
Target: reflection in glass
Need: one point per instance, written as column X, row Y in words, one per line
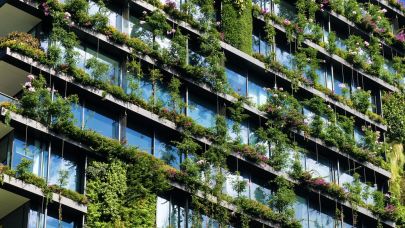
column 202, row 111
column 168, row 153
column 236, row 81
column 67, row 163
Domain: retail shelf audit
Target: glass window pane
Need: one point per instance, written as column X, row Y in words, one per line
column 100, row 123
column 168, row 153
column 162, row 213
column 34, row 151
column 139, row 137
column 236, row 81
column 201, row 110
column 67, row 163
column 301, row 211
column 139, row 87
column 257, row 92
column 138, row 28
column 243, row 134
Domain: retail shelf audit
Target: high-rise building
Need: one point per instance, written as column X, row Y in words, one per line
column 202, row 113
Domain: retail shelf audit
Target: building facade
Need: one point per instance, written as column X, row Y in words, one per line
column 199, row 113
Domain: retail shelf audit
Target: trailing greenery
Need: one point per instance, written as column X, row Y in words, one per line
column 286, row 112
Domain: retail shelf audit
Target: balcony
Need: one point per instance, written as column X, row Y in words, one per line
column 8, row 214
column 12, row 79
column 14, row 18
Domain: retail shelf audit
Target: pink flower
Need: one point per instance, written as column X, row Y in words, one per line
column 287, row 22
column 400, row 36
column 173, row 30
column 30, row 77
column 366, row 43
column 389, row 208
column 383, row 11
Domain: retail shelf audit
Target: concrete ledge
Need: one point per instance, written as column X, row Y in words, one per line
column 30, row 188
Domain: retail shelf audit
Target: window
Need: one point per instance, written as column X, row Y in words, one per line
column 167, row 152
column 113, row 72
column 139, row 136
column 243, row 134
column 231, row 179
column 33, row 150
column 256, row 92
column 87, row 118
column 284, row 57
column 319, row 166
column 263, row 4
column 301, row 211
column 260, row 46
column 236, row 81
column 139, row 87
column 101, row 124
column 36, row 219
column 359, row 136
column 325, row 76
column 171, row 212
column 68, row 161
column 114, row 15
column 338, row 80
column 201, row 110
column 162, row 213
column 139, row 29
column 196, row 59
column 285, row 10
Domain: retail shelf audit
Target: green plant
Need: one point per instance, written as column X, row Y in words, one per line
column 237, row 24
column 361, row 100
column 284, row 197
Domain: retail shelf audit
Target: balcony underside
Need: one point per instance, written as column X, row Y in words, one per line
column 12, row 200
column 14, row 19
column 12, row 78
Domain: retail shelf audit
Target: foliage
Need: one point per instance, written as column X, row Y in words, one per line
column 237, row 25
column 361, row 100
column 394, row 113
column 284, row 197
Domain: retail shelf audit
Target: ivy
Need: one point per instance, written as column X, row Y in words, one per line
column 237, row 24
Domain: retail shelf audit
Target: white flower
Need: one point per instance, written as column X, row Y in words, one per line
column 201, row 162
column 342, row 85
column 31, row 89
column 366, row 43
column 358, row 87
column 27, row 85
column 173, row 30
column 275, row 95
column 354, row 12
column 383, row 11
column 281, row 89
column 67, row 15
column 142, row 22
column 30, row 77
column 144, row 12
